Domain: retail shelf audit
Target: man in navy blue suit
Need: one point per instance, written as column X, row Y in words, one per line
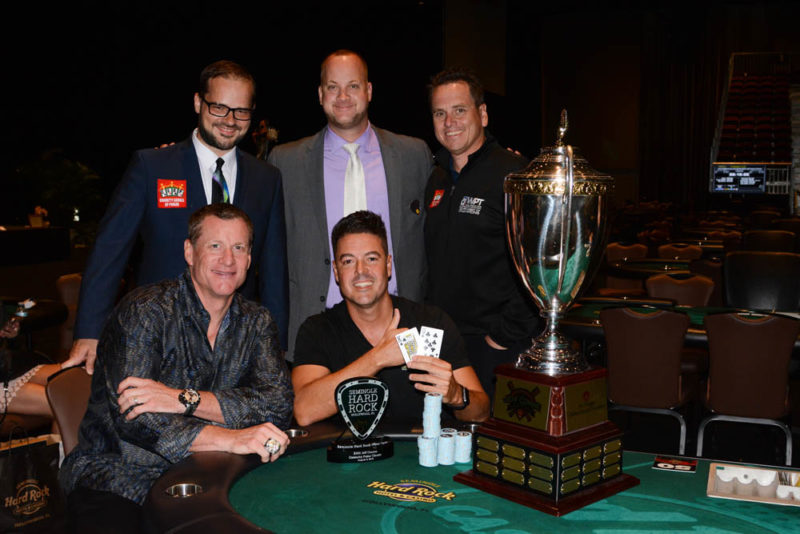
column 162, row 188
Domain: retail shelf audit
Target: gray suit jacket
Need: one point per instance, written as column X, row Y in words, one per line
column 407, row 162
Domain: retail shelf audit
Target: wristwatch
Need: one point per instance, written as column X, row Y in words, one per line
column 464, row 400
column 189, row 398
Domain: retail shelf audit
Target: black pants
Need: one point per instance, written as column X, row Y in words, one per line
column 101, row 512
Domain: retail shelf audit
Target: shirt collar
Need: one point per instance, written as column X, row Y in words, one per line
column 194, row 307
column 367, row 141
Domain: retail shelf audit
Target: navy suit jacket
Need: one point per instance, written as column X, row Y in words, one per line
column 134, row 212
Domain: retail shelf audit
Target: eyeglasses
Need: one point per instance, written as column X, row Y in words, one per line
column 221, row 110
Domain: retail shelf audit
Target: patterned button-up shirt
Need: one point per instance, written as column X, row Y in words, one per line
column 159, row 332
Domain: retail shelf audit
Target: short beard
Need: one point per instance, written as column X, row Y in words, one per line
column 210, row 140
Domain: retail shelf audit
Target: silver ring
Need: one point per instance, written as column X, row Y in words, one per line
column 273, row 446
column 136, row 401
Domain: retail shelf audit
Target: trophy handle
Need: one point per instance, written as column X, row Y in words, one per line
column 566, row 218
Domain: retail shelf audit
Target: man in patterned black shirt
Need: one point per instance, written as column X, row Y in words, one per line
column 183, row 365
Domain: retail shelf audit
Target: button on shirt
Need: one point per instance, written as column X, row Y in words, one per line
column 335, row 159
column 208, row 164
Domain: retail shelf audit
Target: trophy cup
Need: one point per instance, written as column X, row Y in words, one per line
column 361, row 403
column 549, row 444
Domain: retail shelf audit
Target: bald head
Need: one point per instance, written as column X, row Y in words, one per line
column 339, row 54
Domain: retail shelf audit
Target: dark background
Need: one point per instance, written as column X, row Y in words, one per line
column 91, row 82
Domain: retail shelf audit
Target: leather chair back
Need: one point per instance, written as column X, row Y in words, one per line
column 680, row 251
column 68, row 394
column 768, row 281
column 644, row 356
column 691, row 290
column 769, row 240
column 749, row 364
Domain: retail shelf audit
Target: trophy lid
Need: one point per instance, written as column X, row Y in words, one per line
column 551, row 166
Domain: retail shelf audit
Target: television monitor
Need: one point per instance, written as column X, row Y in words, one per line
column 738, row 178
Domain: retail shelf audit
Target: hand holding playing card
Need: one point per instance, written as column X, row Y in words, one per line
column 436, row 377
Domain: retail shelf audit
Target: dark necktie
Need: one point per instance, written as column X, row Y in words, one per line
column 219, row 187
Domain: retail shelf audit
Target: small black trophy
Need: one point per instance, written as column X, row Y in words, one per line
column 361, row 402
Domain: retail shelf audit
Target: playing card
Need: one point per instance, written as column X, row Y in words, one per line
column 409, row 342
column 431, row 341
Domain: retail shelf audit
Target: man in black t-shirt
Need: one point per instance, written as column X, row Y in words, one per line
column 357, row 338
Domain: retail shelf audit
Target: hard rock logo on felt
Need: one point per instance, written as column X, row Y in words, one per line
column 172, row 193
column 521, row 403
column 410, row 491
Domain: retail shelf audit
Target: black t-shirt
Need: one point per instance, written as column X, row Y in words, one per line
column 333, row 340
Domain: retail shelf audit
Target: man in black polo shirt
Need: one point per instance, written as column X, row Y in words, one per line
column 357, row 338
column 471, row 275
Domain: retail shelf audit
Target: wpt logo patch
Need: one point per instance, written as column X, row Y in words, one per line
column 471, row 205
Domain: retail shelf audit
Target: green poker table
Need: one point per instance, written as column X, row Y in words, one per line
column 302, row 493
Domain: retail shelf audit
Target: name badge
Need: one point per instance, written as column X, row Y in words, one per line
column 171, row 193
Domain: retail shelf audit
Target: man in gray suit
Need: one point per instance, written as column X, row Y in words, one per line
column 318, row 191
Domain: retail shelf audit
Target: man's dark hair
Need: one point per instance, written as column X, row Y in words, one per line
column 341, row 52
column 458, row 74
column 226, row 212
column 225, row 69
column 360, row 222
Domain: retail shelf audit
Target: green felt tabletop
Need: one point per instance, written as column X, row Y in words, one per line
column 696, row 314
column 304, row 493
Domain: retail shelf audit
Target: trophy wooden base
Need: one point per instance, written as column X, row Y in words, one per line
column 358, row 450
column 549, row 444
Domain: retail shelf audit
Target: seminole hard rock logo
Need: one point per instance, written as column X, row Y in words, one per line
column 31, row 497
column 411, row 491
column 521, row 403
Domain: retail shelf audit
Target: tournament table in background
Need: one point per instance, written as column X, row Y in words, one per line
column 302, row 493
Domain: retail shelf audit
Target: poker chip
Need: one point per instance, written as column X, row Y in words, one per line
column 463, row 447
column 428, row 453
column 446, row 449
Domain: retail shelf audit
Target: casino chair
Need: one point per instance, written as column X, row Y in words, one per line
column 68, row 394
column 769, row 240
column 680, row 251
column 765, row 281
column 644, row 351
column 762, row 219
column 615, row 286
column 685, row 290
column 711, row 268
column 69, row 288
column 749, row 371
column 791, row 224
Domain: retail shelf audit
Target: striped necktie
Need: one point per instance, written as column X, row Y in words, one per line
column 219, row 187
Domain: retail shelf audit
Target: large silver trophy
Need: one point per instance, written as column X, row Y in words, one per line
column 549, row 444
column 555, row 221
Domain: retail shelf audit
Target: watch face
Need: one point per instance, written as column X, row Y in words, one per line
column 189, row 396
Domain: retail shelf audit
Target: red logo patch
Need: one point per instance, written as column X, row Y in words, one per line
column 437, row 198
column 171, row 193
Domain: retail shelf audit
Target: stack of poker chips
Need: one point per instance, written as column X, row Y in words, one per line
column 438, row 446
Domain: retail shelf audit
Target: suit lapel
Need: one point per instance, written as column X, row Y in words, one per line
column 315, row 171
column 392, row 166
column 241, row 181
column 194, row 183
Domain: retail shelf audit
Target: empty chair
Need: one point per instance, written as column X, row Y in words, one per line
column 617, row 251
column 685, row 290
column 680, row 251
column 749, row 371
column 768, row 281
column 68, row 394
column 711, row 268
column 792, row 225
column 769, row 240
column 644, row 363
column 69, row 288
